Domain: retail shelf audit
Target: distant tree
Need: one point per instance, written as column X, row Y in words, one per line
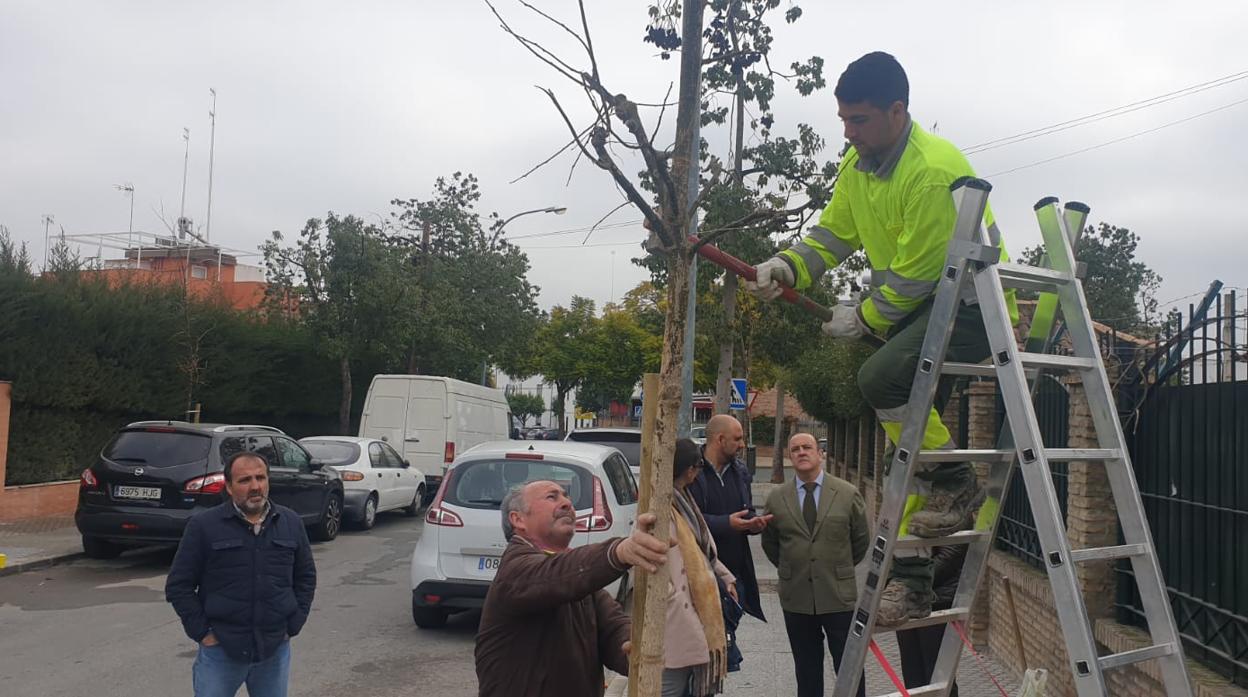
column 1121, row 291
column 618, row 353
column 825, row 380
column 524, row 405
column 563, row 345
column 345, row 282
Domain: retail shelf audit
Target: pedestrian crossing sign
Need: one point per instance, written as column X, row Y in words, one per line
column 738, row 394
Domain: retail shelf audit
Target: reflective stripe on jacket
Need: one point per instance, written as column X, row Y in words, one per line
column 903, row 216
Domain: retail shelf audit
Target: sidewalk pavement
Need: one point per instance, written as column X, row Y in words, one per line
column 38, row 542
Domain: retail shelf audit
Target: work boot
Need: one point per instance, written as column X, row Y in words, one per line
column 903, row 601
column 949, row 508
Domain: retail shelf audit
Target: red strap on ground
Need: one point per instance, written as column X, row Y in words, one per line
column 957, row 626
column 888, row 669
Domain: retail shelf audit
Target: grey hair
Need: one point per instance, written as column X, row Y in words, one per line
column 513, row 501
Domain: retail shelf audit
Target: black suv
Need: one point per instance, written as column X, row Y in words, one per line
column 154, row 475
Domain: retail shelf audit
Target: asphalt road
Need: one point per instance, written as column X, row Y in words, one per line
column 103, row 629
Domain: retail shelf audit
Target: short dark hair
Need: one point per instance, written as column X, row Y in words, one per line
column 876, row 78
column 229, row 463
column 687, row 455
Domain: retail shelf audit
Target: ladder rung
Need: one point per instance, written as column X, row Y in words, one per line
column 1135, row 656
column 1068, row 454
column 982, row 370
column 1115, row 552
column 1053, row 454
column 938, row 617
column 1056, row 362
column 966, row 455
column 937, row 688
column 1031, row 277
column 963, row 537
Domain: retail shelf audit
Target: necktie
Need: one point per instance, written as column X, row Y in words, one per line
column 809, row 509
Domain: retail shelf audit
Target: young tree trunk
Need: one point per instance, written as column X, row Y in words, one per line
column 723, row 380
column 344, row 406
column 777, row 455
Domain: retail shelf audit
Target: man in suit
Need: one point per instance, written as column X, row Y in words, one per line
column 817, row 535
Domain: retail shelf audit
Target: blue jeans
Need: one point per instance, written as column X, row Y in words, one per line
column 217, row 675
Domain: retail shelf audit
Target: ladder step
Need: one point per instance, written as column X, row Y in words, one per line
column 937, row 688
column 995, row 455
column 1135, row 656
column 1115, row 552
column 1057, row 362
column 980, row 370
column 956, row 614
column 964, row 537
column 1031, row 277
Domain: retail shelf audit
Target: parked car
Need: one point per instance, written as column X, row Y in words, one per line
column 462, row 544
column 152, row 476
column 428, row 419
column 698, row 434
column 626, row 440
column 374, row 477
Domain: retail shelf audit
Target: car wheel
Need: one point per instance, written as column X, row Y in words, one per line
column 413, row 509
column 96, row 548
column 369, row 519
column 429, row 617
column 327, row 527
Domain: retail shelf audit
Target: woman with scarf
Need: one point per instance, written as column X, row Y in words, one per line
column 695, row 644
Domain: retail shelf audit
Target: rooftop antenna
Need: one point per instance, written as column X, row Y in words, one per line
column 212, row 144
column 47, row 222
column 186, row 158
column 128, row 189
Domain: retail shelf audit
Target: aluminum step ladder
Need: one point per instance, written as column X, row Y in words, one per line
column 974, row 265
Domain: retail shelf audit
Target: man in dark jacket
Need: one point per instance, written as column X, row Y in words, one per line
column 242, row 583
column 548, row 628
column 722, row 492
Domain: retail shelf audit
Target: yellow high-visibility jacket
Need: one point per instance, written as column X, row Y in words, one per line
column 901, row 212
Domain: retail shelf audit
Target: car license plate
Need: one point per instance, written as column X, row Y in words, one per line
column 136, row 492
column 488, row 563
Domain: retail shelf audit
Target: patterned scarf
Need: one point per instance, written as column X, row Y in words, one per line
column 695, row 551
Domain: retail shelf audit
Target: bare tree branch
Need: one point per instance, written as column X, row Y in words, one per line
column 559, row 152
column 603, row 218
column 561, row 25
column 539, row 51
column 662, row 111
column 748, row 221
column 599, row 140
column 589, row 41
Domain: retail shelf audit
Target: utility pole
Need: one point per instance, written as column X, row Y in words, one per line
column 128, row 189
column 212, row 145
column 47, row 222
column 186, row 159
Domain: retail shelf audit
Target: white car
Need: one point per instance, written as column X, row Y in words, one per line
column 625, row 439
column 374, row 477
column 462, row 543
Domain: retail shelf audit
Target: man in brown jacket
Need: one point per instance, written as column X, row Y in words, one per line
column 548, row 628
column 819, row 533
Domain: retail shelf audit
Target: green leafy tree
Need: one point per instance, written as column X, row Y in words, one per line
column 563, row 346
column 348, row 285
column 618, row 353
column 825, row 380
column 473, row 303
column 1121, row 291
column 524, row 405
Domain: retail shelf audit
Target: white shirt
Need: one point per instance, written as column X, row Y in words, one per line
column 801, row 490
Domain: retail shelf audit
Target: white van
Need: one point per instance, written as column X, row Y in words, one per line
column 429, row 419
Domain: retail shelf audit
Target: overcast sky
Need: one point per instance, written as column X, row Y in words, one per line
column 345, row 106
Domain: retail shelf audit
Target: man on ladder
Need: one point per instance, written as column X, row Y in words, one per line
column 892, row 200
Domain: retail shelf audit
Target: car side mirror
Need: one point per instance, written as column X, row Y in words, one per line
column 406, row 464
column 316, row 464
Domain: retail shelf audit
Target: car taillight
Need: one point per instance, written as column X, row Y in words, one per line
column 448, row 454
column 88, row 480
column 600, row 518
column 349, row 476
column 437, row 515
column 210, row 484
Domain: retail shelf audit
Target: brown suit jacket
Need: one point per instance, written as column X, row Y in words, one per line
column 816, row 568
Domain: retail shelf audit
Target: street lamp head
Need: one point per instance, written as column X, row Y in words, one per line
column 557, row 210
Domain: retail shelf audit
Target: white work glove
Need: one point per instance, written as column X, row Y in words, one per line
column 845, row 323
column 770, row 274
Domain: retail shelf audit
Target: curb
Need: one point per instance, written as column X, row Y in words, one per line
column 34, row 564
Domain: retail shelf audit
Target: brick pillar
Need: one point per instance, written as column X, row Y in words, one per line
column 6, row 398
column 950, row 415
column 981, row 433
column 1091, row 517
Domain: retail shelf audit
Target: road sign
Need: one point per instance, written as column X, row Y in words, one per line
column 738, row 394
column 636, row 411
